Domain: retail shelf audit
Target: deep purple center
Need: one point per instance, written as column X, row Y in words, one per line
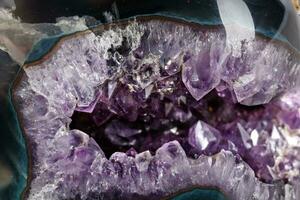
column 129, row 122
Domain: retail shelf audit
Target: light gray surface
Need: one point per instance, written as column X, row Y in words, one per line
column 8, row 4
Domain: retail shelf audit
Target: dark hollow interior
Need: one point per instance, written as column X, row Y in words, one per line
column 156, row 128
column 153, row 134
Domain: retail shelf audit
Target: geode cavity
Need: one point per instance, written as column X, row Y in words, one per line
column 148, row 107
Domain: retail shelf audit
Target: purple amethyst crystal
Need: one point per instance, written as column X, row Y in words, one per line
column 147, row 108
column 201, row 70
column 201, row 135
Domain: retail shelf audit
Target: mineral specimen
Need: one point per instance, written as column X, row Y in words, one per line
column 147, row 107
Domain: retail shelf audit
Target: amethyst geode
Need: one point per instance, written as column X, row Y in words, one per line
column 148, row 107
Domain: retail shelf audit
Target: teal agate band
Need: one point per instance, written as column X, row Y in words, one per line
column 12, row 144
column 201, row 194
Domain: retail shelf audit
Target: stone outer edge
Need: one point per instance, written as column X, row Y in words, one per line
column 16, row 84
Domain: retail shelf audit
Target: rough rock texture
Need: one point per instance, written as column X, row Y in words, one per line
column 114, row 71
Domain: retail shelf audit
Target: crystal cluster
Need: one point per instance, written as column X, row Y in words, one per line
column 177, row 107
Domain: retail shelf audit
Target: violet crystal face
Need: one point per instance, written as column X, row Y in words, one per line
column 153, row 106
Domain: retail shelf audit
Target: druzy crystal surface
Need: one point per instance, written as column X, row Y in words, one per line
column 144, row 108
